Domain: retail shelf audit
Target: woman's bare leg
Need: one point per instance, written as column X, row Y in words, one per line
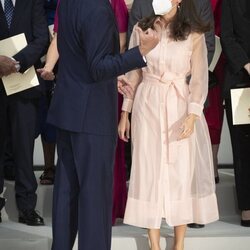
column 179, row 233
column 154, row 237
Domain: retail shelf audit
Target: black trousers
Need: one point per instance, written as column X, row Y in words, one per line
column 82, row 198
column 3, row 131
column 240, row 139
column 21, row 116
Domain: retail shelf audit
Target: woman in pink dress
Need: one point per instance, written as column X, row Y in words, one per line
column 172, row 175
column 119, row 186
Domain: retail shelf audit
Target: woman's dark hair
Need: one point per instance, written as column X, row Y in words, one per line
column 185, row 21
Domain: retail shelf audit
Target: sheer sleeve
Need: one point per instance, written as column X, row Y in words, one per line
column 133, row 77
column 198, row 85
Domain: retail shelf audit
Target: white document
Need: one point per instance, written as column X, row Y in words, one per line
column 217, row 54
column 17, row 82
column 240, row 106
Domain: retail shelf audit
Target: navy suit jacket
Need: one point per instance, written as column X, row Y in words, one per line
column 85, row 98
column 28, row 18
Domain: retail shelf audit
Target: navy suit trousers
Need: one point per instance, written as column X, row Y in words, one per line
column 83, row 191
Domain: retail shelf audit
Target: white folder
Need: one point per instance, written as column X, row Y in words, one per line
column 17, row 82
column 240, row 106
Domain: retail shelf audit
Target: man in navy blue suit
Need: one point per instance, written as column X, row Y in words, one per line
column 84, row 109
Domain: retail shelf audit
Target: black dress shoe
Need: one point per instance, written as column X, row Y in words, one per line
column 195, row 225
column 245, row 223
column 30, row 218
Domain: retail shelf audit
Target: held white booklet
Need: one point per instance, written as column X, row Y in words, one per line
column 17, row 82
column 217, row 54
column 240, row 106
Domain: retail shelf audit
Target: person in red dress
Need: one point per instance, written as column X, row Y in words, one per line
column 214, row 111
column 119, row 185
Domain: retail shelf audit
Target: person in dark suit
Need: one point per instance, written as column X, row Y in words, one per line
column 84, row 109
column 7, row 66
column 144, row 8
column 235, row 38
column 20, row 110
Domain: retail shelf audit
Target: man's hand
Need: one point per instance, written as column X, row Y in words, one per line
column 46, row 73
column 148, row 40
column 7, row 66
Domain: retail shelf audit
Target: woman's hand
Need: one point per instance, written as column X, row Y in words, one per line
column 46, row 73
column 188, row 126
column 124, row 127
column 124, row 88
